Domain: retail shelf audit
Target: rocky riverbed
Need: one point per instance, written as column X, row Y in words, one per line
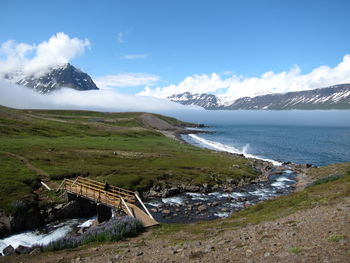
column 190, row 207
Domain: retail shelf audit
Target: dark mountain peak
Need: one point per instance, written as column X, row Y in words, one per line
column 57, row 77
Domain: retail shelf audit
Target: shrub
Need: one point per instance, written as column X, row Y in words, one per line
column 295, row 250
column 336, row 238
column 112, row 230
column 328, row 179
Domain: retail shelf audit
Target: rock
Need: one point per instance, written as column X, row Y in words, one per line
column 77, row 207
column 59, row 206
column 5, row 225
column 166, row 212
column 139, row 253
column 222, row 242
column 8, row 251
column 202, row 208
column 195, row 253
column 214, row 204
column 197, row 244
column 154, row 210
column 209, row 248
column 35, row 251
column 22, row 249
column 224, row 209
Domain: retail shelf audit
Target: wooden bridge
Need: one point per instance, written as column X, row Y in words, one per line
column 115, row 198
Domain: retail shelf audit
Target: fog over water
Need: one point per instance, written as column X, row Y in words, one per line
column 319, row 137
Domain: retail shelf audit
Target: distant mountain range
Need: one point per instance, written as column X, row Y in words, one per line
column 334, row 97
column 55, row 78
column 66, row 75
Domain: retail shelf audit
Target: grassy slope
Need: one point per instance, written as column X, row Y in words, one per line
column 105, row 146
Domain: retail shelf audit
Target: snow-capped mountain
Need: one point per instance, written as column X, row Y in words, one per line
column 334, row 97
column 58, row 77
column 207, row 101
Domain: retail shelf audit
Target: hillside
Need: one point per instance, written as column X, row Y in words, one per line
column 129, row 150
column 126, row 149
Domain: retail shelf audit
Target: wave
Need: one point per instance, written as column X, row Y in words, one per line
column 230, row 149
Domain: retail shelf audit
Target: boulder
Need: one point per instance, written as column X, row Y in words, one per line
column 5, row 225
column 8, row 251
column 35, row 251
column 202, row 208
column 166, row 212
column 22, row 249
column 154, row 210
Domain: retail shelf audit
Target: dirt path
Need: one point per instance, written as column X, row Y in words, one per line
column 42, row 174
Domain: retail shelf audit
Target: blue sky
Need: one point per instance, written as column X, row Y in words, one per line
column 173, row 40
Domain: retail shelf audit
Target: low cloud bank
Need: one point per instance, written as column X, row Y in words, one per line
column 234, row 87
column 16, row 96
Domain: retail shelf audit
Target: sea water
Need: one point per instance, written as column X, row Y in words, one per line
column 315, row 137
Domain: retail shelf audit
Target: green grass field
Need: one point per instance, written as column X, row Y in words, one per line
column 116, row 147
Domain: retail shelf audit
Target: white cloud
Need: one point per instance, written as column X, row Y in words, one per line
column 135, row 56
column 12, row 95
column 120, row 37
column 234, row 86
column 126, row 80
column 60, row 48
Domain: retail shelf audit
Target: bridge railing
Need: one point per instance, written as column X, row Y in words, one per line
column 126, row 194
column 96, row 191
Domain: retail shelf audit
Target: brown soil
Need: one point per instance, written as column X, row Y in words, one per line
column 320, row 234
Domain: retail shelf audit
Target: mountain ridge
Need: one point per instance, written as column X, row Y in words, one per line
column 332, row 97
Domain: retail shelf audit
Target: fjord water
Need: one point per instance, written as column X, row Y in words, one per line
column 318, row 137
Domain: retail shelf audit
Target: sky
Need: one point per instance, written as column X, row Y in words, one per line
column 159, row 48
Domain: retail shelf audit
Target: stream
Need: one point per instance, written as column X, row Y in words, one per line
column 45, row 234
column 183, row 208
column 192, row 207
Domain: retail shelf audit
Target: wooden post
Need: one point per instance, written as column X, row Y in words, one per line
column 130, row 213
column 144, row 206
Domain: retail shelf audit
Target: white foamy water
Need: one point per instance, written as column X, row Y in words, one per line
column 221, row 214
column 230, row 149
column 88, row 223
column 31, row 238
column 278, row 184
column 154, row 204
column 284, row 179
column 198, row 196
column 173, row 200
